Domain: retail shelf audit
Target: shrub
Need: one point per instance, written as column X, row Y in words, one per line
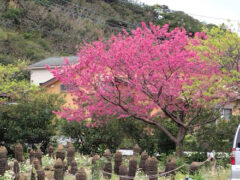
column 217, row 136
column 196, row 156
column 13, row 14
column 93, row 140
column 119, row 133
column 147, row 137
column 29, row 120
column 27, row 35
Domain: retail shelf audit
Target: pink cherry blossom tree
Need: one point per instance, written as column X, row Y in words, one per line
column 149, row 75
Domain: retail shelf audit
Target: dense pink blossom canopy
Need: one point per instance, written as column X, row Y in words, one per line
column 150, row 72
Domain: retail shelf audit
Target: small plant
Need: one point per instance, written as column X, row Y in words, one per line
column 96, row 165
column 13, row 14
column 197, row 176
column 27, row 35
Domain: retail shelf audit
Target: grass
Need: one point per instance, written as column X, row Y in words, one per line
column 14, row 45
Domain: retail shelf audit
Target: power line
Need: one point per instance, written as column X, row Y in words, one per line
column 118, row 27
column 211, row 17
column 192, row 14
column 97, row 13
column 39, row 28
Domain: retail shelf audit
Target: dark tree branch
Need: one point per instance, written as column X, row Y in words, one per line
column 195, row 117
column 173, row 117
column 159, row 126
column 206, row 122
column 154, row 123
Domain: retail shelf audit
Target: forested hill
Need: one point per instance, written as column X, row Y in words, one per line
column 35, row 29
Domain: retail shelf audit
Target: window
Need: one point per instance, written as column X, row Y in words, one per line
column 65, row 88
column 226, row 113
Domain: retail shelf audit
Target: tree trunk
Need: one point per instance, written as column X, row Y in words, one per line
column 179, row 148
column 180, row 137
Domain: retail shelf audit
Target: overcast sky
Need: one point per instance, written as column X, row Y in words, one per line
column 216, row 11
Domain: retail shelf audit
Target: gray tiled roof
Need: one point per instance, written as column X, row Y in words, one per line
column 54, row 61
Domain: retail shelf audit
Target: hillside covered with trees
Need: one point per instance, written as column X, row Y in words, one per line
column 36, row 29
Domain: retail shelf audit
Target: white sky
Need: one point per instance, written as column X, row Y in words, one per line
column 219, row 10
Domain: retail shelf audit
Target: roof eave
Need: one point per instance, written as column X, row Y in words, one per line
column 32, row 68
column 48, row 83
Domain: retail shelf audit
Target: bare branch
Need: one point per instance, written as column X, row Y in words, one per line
column 154, row 123
column 206, row 122
column 195, row 117
column 173, row 117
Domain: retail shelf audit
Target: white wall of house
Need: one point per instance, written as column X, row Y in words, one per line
column 38, row 76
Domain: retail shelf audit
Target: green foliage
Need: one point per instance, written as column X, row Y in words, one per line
column 118, row 133
column 196, row 156
column 177, row 19
column 147, row 137
column 223, row 46
column 95, row 168
column 140, row 134
column 93, row 140
column 27, row 35
column 12, row 80
column 29, row 119
column 216, row 136
column 223, row 161
column 14, row 14
column 28, row 46
column 197, row 176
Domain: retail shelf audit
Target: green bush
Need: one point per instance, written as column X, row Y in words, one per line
column 196, row 156
column 29, row 120
column 93, row 140
column 13, row 14
column 27, row 35
column 147, row 137
column 44, row 44
column 118, row 133
column 218, row 135
column 197, row 176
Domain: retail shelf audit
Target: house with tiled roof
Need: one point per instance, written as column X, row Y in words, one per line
column 40, row 75
column 38, row 72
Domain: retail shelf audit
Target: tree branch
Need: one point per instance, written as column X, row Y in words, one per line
column 173, row 117
column 197, row 114
column 159, row 126
column 206, row 122
column 154, row 123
